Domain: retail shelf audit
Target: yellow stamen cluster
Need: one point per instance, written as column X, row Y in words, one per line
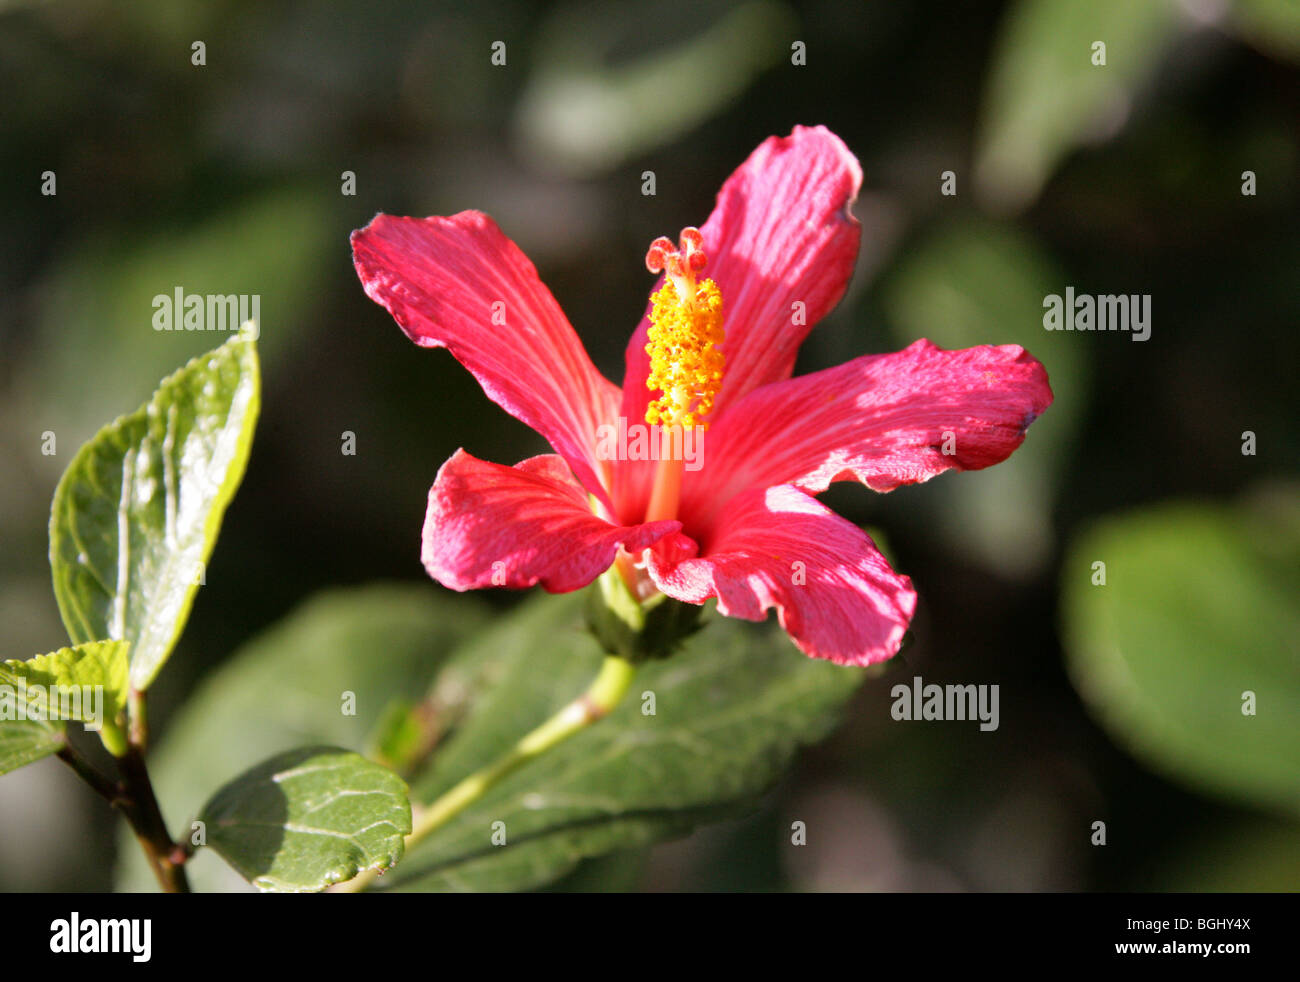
column 685, row 330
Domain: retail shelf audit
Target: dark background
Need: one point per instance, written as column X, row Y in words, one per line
column 226, row 178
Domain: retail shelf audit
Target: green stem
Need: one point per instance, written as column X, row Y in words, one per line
column 138, row 715
column 598, row 701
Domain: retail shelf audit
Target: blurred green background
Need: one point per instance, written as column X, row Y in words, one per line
column 1119, row 703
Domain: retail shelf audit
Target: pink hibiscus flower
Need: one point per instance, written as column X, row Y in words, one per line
column 709, row 369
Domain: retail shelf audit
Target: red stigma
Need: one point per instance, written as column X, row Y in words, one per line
column 682, row 261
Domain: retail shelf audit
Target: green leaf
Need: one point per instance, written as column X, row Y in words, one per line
column 23, row 741
column 98, row 297
column 972, row 282
column 399, row 737
column 1198, row 609
column 136, row 514
column 730, row 711
column 586, row 109
column 287, row 687
column 1045, row 96
column 1271, row 25
column 308, row 818
column 87, row 684
column 621, row 871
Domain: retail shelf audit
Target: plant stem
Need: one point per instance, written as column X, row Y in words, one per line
column 166, row 858
column 134, row 797
column 138, row 735
column 110, row 792
column 601, row 697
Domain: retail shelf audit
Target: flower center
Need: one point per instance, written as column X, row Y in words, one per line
column 685, row 330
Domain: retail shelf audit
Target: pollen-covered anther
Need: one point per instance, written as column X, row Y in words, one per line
column 685, row 330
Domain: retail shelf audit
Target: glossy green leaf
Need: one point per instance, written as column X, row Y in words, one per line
column 1045, row 96
column 729, row 712
column 328, row 673
column 85, row 684
column 1188, row 653
column 308, row 818
column 136, row 514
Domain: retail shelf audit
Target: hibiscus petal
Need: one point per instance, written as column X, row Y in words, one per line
column 885, row 420
column 493, row 525
column 780, row 232
column 440, row 279
column 844, row 603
